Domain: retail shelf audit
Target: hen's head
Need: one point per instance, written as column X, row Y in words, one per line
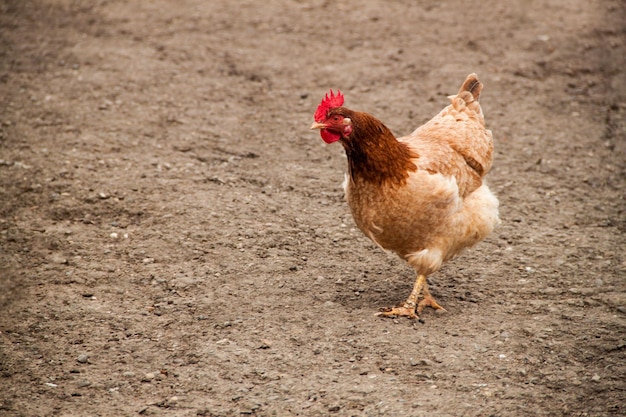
column 331, row 118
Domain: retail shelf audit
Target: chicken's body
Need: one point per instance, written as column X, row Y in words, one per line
column 422, row 195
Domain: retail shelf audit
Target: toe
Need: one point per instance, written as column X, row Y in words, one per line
column 429, row 302
column 398, row 312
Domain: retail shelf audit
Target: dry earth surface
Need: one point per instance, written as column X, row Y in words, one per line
column 174, row 240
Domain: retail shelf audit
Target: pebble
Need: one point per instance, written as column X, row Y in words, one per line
column 248, row 407
column 59, row 259
column 84, row 383
column 421, row 362
column 479, row 348
column 128, row 374
column 148, row 377
column 82, row 358
column 265, row 344
column 595, row 377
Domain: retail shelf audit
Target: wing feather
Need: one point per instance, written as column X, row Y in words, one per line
column 455, row 143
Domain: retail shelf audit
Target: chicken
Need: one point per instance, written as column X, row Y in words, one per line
column 421, row 196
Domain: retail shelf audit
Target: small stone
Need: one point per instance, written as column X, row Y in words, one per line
column 59, row 259
column 148, row 377
column 595, row 378
column 424, row 362
column 479, row 348
column 82, row 384
column 248, row 407
column 265, row 344
column 113, row 235
column 128, row 374
column 82, row 358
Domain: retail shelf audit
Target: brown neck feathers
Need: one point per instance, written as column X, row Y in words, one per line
column 374, row 154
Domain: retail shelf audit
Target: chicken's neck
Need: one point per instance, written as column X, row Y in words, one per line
column 374, row 154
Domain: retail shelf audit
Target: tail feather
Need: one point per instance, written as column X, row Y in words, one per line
column 472, row 85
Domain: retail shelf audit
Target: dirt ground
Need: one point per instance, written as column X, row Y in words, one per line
column 174, row 240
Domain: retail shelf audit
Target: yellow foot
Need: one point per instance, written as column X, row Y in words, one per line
column 411, row 308
column 428, row 301
column 401, row 311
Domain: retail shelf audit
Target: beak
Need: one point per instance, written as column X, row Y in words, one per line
column 317, row 125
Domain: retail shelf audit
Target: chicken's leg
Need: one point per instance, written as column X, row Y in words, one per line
column 411, row 308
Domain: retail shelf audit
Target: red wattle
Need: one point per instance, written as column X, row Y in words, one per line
column 329, row 137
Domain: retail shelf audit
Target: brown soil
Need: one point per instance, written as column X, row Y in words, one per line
column 174, row 240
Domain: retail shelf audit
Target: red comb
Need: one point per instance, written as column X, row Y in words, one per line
column 329, row 102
